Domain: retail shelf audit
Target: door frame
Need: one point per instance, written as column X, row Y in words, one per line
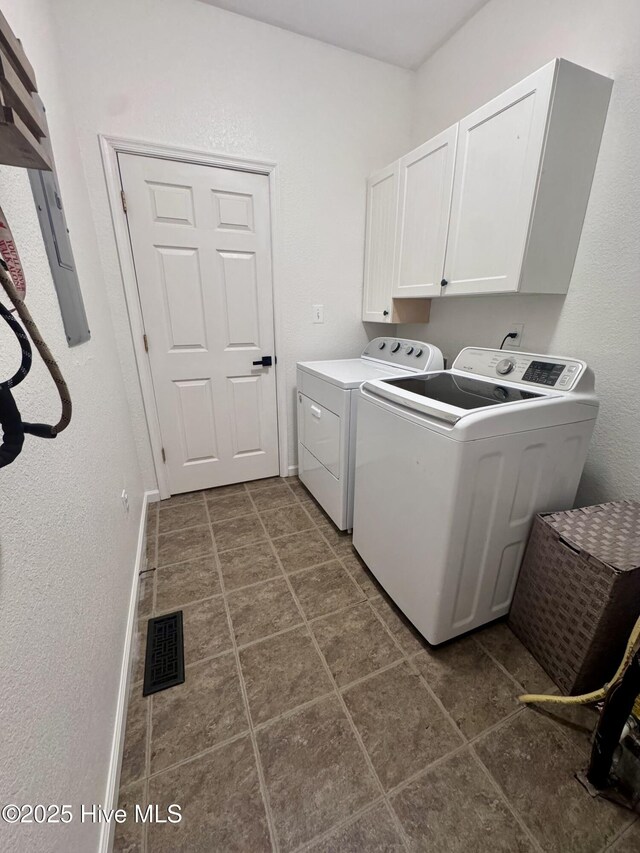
column 110, row 147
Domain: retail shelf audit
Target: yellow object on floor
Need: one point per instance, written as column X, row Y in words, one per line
column 595, row 695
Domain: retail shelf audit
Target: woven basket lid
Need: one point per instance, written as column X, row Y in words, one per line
column 609, row 532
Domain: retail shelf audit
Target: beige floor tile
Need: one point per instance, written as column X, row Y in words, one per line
column 185, row 582
column 314, row 770
column 237, row 532
column 317, row 513
column 361, row 575
column 506, row 648
column 578, row 722
column 453, row 808
column 325, row 588
column 146, row 585
column 354, row 643
column 205, row 629
column 129, row 836
column 472, row 688
column 247, row 565
column 230, row 507
column 630, row 841
column 286, row 520
column 135, row 742
column 303, row 550
column 265, row 483
column 402, row 728
column 281, row 673
column 372, row 832
column 339, row 539
column 222, row 806
column 403, row 631
column 535, row 765
column 187, row 544
column 183, row 515
column 139, row 650
column 185, row 497
column 273, row 497
column 152, row 519
column 299, row 489
column 223, row 492
column 152, row 551
column 205, row 710
column 259, row 611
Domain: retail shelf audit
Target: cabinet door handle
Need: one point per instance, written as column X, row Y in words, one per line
column 444, row 282
column 315, row 411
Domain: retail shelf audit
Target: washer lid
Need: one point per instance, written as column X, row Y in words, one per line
column 460, row 391
column 453, row 397
column 349, row 372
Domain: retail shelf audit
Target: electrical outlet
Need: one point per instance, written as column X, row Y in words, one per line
column 124, row 497
column 318, row 313
column 518, row 328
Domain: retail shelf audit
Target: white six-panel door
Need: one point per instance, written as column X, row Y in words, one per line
column 498, row 158
column 201, row 240
column 425, row 188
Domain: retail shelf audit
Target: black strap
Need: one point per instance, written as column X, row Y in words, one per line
column 12, row 430
column 25, row 346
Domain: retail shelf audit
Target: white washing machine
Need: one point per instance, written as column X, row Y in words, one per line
column 327, row 415
column 451, row 468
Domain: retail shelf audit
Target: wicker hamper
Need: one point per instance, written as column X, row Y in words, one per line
column 578, row 593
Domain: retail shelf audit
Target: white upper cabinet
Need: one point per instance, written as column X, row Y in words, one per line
column 524, row 167
column 494, row 204
column 425, row 187
column 380, row 241
column 496, row 176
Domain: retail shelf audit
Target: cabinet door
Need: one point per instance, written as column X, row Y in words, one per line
column 380, row 237
column 497, row 163
column 425, row 187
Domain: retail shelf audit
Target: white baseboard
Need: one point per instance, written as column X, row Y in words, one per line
column 113, row 779
column 293, row 470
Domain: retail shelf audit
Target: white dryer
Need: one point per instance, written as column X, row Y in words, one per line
column 327, row 415
column 451, row 468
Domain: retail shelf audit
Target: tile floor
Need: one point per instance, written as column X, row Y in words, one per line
column 313, row 717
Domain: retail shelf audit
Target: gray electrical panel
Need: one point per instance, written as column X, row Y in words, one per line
column 46, row 193
column 56, row 239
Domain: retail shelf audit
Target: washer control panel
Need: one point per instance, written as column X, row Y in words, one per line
column 404, row 353
column 561, row 374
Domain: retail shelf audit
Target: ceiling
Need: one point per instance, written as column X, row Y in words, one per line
column 402, row 32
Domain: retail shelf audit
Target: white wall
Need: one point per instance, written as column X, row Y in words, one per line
column 67, row 549
column 599, row 320
column 189, row 74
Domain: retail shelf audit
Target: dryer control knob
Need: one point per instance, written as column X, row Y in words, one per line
column 409, row 350
column 505, row 366
column 419, row 353
column 382, row 345
column 395, row 347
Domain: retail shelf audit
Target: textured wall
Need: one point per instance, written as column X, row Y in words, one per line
column 599, row 320
column 67, row 550
column 188, row 74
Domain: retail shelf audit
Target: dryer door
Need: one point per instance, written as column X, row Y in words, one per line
column 320, row 433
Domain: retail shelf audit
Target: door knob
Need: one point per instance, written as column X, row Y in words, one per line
column 265, row 361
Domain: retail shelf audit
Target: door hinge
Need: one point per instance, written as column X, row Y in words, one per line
column 164, row 455
column 146, row 343
column 124, row 200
